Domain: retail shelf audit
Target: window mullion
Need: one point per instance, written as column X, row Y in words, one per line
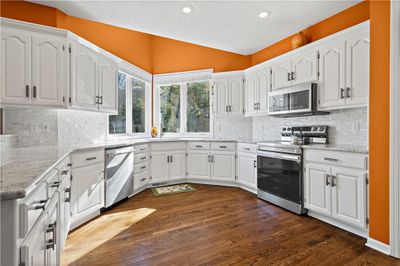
column 129, row 105
column 183, row 108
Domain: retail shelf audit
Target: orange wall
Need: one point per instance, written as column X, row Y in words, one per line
column 379, row 116
column 347, row 18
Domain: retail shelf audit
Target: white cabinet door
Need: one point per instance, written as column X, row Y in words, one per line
column 221, row 91
column 223, row 166
column 108, row 85
column 247, row 169
column 33, row 249
column 15, row 67
column 47, row 71
column 332, row 79
column 85, row 69
column 87, row 192
column 318, row 188
column 263, row 86
column 357, row 74
column 236, row 96
column 177, row 166
column 305, row 68
column 281, row 75
column 250, row 95
column 159, row 167
column 53, row 232
column 199, row 165
column 65, row 210
column 349, row 194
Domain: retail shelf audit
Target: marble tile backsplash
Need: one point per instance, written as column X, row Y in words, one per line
column 33, row 127
column 347, row 126
column 81, row 127
column 233, row 127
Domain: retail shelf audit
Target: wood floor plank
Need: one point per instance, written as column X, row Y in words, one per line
column 212, row 226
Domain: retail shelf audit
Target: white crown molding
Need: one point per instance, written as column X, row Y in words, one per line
column 167, row 78
column 394, row 129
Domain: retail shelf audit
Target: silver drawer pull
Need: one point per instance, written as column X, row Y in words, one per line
column 333, row 184
column 68, row 190
column 330, row 159
column 55, row 184
column 143, row 179
column 65, row 172
column 69, row 165
column 199, row 146
column 38, row 207
column 91, row 158
column 222, row 147
column 143, row 167
column 143, row 158
column 143, row 149
column 246, row 149
column 327, row 180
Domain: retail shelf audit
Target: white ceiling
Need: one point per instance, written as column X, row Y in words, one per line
column 227, row 25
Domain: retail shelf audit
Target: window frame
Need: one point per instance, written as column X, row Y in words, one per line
column 183, row 110
column 128, row 122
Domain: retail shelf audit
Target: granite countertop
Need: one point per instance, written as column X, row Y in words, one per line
column 26, row 166
column 338, row 147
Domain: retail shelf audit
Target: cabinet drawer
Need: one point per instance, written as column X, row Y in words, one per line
column 345, row 159
column 142, row 157
column 140, row 167
column 31, row 208
column 168, row 146
column 141, row 148
column 247, row 147
column 223, row 146
column 141, row 179
column 87, row 157
column 199, row 145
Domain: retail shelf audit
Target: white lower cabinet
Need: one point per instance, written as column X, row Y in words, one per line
column 168, row 162
column 33, row 249
column 246, row 168
column 199, row 164
column 87, row 185
column 223, row 165
column 336, row 191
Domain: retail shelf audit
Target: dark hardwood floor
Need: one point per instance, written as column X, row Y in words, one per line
column 212, row 226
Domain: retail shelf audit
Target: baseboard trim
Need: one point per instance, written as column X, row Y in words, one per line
column 377, row 245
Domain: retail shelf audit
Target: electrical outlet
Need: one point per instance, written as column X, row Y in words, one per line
column 45, row 127
column 35, row 127
column 356, row 127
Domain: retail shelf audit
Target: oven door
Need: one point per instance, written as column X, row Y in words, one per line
column 280, row 174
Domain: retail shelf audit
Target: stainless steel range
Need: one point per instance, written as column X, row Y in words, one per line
column 280, row 166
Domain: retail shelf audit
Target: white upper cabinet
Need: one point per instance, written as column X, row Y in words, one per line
column 228, row 94
column 108, row 93
column 332, row 71
column 305, row 68
column 258, row 84
column 48, row 63
column 15, row 67
column 344, row 69
column 281, row 74
column 357, row 69
column 85, row 70
column 299, row 69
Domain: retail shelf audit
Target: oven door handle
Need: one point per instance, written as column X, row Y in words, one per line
column 275, row 155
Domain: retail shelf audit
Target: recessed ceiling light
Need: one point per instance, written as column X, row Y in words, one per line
column 264, row 14
column 187, row 9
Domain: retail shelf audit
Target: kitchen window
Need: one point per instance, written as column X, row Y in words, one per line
column 184, row 108
column 133, row 107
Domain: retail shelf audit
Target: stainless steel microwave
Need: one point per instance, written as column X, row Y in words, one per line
column 295, row 101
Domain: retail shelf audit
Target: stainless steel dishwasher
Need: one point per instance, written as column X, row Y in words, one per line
column 119, row 174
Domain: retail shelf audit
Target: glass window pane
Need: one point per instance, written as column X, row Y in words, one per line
column 117, row 123
column 198, row 107
column 138, row 106
column 170, row 106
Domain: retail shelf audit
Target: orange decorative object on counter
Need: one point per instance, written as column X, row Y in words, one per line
column 299, row 40
column 154, row 132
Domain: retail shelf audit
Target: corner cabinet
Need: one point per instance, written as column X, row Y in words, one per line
column 344, row 70
column 94, row 80
column 335, row 186
column 228, row 93
column 32, row 68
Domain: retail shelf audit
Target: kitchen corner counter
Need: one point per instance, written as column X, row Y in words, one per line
column 335, row 147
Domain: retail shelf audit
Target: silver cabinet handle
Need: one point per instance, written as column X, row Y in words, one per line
column 212, row 158
column 34, row 92
column 288, row 76
column 167, row 158
column 222, row 147
column 171, row 158
column 333, row 184
column 198, row 146
column 342, row 93
column 209, row 158
column 97, row 99
column 55, row 184
column 292, row 76
column 348, row 92
column 226, row 108
column 230, row 108
column 255, row 163
column 91, row 158
column 101, row 100
column 330, row 159
column 327, row 180
column 68, row 190
column 51, row 242
column 143, row 158
column 246, row 149
column 27, row 90
column 143, row 167
column 143, row 179
column 65, row 172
